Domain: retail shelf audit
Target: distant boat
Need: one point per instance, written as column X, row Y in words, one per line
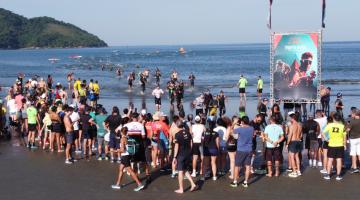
column 182, row 50
column 75, row 56
column 53, row 60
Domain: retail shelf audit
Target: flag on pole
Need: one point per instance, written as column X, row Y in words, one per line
column 269, row 18
column 323, row 13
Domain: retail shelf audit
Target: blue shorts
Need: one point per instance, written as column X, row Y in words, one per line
column 114, row 143
column 69, row 137
column 243, row 158
column 211, row 151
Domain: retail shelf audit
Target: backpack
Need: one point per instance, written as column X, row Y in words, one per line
column 132, row 146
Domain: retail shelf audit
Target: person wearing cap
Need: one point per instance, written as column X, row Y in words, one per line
column 161, row 132
column 339, row 106
column 198, row 129
column 242, row 85
column 335, row 134
column 75, row 119
column 260, row 85
column 157, row 93
column 311, row 129
column 354, row 133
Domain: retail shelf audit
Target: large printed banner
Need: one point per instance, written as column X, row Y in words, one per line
column 295, row 67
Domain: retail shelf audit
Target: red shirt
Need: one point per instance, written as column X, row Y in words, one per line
column 160, row 126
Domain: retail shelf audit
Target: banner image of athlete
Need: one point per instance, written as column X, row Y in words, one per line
column 295, row 66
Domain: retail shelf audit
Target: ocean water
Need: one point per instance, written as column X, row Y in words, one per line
column 216, row 67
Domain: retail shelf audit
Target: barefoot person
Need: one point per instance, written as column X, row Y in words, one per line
column 273, row 135
column 242, row 85
column 126, row 150
column 294, row 145
column 157, row 93
column 182, row 156
column 69, row 134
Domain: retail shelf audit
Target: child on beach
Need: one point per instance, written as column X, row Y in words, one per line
column 125, row 163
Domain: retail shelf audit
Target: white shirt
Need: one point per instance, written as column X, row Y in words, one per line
column 157, row 93
column 197, row 130
column 322, row 123
column 75, row 117
column 135, row 128
column 221, row 131
column 12, row 106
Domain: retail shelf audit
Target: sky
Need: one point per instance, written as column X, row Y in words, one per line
column 174, row 22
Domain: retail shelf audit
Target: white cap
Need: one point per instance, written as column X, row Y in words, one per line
column 291, row 113
column 143, row 112
column 197, row 118
column 43, row 96
column 72, row 106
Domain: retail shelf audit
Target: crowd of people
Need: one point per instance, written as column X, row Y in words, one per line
column 205, row 144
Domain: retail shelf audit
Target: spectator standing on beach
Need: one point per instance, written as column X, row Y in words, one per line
column 242, row 86
column 198, row 103
column 69, row 134
column 245, row 135
column 294, row 145
column 260, row 85
column 273, row 135
column 182, row 156
column 354, row 133
column 337, row 145
column 157, row 93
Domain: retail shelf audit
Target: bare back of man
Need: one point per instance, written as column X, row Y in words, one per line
column 69, row 137
column 294, row 147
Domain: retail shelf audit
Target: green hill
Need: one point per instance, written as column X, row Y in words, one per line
column 19, row 32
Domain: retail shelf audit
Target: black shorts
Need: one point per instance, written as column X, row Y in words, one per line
column 32, row 127
column 69, row 137
column 56, row 127
column 125, row 160
column 157, row 101
column 76, row 134
column 197, row 149
column 295, row 146
column 273, row 154
column 183, row 163
column 243, row 159
column 241, row 90
column 335, row 152
column 325, row 145
column 259, row 91
column 231, row 147
column 87, row 134
column 320, row 142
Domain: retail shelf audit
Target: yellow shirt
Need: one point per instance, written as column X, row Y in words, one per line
column 260, row 84
column 336, row 133
column 96, row 88
column 77, row 85
column 82, row 92
column 91, row 86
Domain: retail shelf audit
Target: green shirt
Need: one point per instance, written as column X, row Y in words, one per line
column 242, row 83
column 260, row 84
column 99, row 120
column 32, row 115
